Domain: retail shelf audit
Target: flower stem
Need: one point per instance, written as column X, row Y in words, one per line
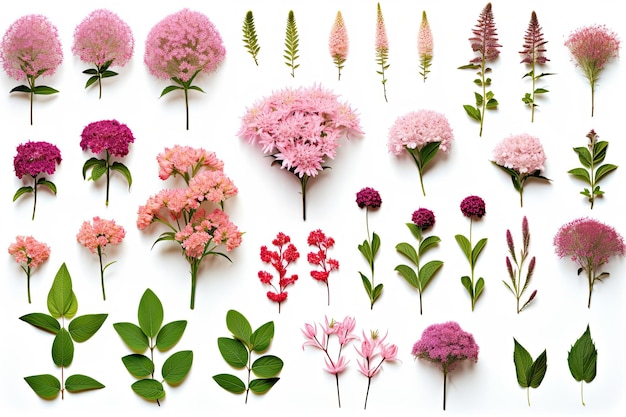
column 108, row 176
column 31, row 84
column 445, row 377
column 367, row 393
column 528, row 395
column 590, row 279
column 104, row 297
column 303, row 182
column 28, row 271
column 194, row 263
column 35, row 197
column 582, row 383
column 186, row 90
column 338, row 397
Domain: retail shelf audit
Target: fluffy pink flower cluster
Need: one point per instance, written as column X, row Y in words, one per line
column 485, row 39
column 445, row 345
column 592, row 47
column 418, row 128
column 338, row 40
column 186, row 161
column 31, row 47
column 109, row 135
column 424, row 40
column 204, row 230
column 381, row 42
column 99, row 233
column 29, row 251
column 522, row 153
column 182, row 45
column 103, row 37
column 34, row 158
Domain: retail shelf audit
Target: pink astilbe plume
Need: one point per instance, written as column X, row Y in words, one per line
column 592, row 47
column 338, row 43
column 590, row 244
column 320, row 258
column 425, row 46
column 29, row 253
column 381, row 46
column 374, row 351
column 285, row 254
column 533, row 55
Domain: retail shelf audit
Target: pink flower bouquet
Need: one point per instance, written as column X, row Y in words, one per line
column 29, row 253
column 300, row 128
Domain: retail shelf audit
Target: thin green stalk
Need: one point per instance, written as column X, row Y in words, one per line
column 35, row 197
column 28, row 271
column 104, row 297
column 108, row 176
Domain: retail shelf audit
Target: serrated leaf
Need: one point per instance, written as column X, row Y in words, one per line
column 260, row 386
column 60, row 295
column 230, row 383
column 83, row 327
column 150, row 389
column 262, row 337
column 582, row 358
column 150, row 313
column 603, row 170
column 408, row 274
column 233, row 351
column 170, row 334
column 267, row 366
column 132, row 335
column 138, row 365
column 239, row 326
column 538, row 370
column 177, row 366
column 46, row 386
column 79, row 383
column 62, row 349
column 42, row 321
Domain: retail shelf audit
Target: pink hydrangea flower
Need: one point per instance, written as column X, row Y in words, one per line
column 30, row 253
column 338, row 43
column 285, row 254
column 374, row 351
column 425, row 46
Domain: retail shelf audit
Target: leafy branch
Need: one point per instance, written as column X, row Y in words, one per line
column 474, row 287
column 99, row 167
column 97, row 74
column 291, row 43
column 250, row 40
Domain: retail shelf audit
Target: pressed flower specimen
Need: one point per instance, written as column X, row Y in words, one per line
column 35, row 159
column 104, row 40
column 343, row 332
column 369, row 198
column 198, row 231
column 96, row 235
column 418, row 275
column 518, row 285
column 338, row 43
column 530, row 373
column 485, row 43
column 582, row 360
column 381, row 46
column 373, row 353
column 424, row 46
column 422, row 134
column 533, row 56
column 522, row 157
column 472, row 207
column 31, row 48
column 591, row 158
column 29, row 253
column 291, row 43
column 300, row 128
column 111, row 138
column 285, row 254
column 592, row 47
column 180, row 47
column 445, row 345
column 320, row 258
column 590, row 244
column 250, row 39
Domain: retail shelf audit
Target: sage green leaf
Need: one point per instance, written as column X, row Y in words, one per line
column 492, row 104
column 377, row 291
column 150, row 389
column 523, row 363
column 250, row 39
column 541, row 91
column 408, row 274
column 267, row 366
column 428, row 243
column 581, row 173
column 364, row 248
column 46, row 386
column 480, row 286
column 291, row 42
column 427, row 272
column 230, row 383
column 79, row 383
column 195, row 87
column 375, row 244
column 83, row 327
column 170, row 334
column 177, row 366
column 62, row 349
column 233, row 351
column 408, row 251
column 132, row 335
column 584, row 156
column 239, row 326
column 42, row 321
column 20, row 89
column 477, row 249
column 150, row 313
column 479, row 100
column 90, row 163
column 260, row 386
column 169, row 89
column 599, row 151
column 582, row 358
column 60, row 295
column 469, row 66
column 71, row 311
column 97, row 171
column 465, row 246
column 262, row 337
column 415, row 231
column 604, row 170
column 138, row 365
column 538, row 370
column 21, row 191
column 467, row 283
column 44, row 89
column 122, row 169
column 366, row 284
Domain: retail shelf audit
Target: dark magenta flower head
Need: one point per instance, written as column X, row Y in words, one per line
column 34, row 158
column 473, row 206
column 423, row 218
column 109, row 135
column 368, row 197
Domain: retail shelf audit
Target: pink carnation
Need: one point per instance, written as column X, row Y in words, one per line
column 99, row 233
column 103, row 37
column 109, row 135
column 418, row 128
column 29, row 251
column 522, row 153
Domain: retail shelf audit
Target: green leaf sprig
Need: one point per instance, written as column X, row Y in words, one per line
column 591, row 157
column 582, row 360
column 518, row 285
column 250, row 40
column 238, row 350
column 179, row 84
column 31, row 89
column 529, row 373
column 100, row 167
column 472, row 207
column 291, row 43
column 97, row 74
column 33, row 189
column 151, row 334
column 63, row 306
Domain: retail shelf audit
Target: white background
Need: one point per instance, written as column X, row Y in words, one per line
column 269, row 202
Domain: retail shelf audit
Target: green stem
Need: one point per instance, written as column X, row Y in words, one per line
column 108, row 176
column 104, row 297
column 590, row 279
column 35, row 197
column 533, row 78
column 445, row 377
column 484, row 104
column 371, row 261
column 28, row 271
column 194, row 263
column 186, row 90
column 593, row 93
column 581, row 393
column 31, row 84
column 473, row 295
column 303, row 182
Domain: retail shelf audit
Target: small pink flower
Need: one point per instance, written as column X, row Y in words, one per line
column 336, row 367
column 338, row 43
column 30, row 253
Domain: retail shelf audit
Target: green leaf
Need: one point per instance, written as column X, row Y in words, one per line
column 465, row 246
column 428, row 152
column 60, row 295
column 604, row 170
column 150, row 313
column 408, row 274
column 492, row 104
column 83, row 327
column 132, row 335
column 428, row 243
column 541, row 91
column 480, row 286
column 260, row 386
column 375, row 244
column 20, row 89
column 479, row 100
column 21, row 191
column 97, row 172
column 239, row 326
column 584, row 156
column 538, row 370
column 467, row 283
column 42, row 321
column 71, row 311
column 366, row 284
column 262, row 337
column 45, row 90
column 91, row 80
column 408, row 251
column 250, row 37
column 90, row 163
column 177, row 366
column 107, row 74
column 581, row 173
column 427, row 272
column 267, row 366
column 469, row 66
column 523, row 362
column 122, row 169
column 138, row 365
column 230, row 383
column 291, row 42
column 91, row 71
column 582, row 358
column 46, row 386
column 377, row 291
column 79, row 383
column 599, row 151
column 415, row 231
column 150, row 389
column 170, row 334
column 62, row 349
column 364, row 248
column 477, row 249
column 48, row 184
column 233, row 351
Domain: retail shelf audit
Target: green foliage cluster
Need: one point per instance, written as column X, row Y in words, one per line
column 369, row 249
column 98, row 73
column 31, row 89
column 99, row 167
column 474, row 287
column 250, row 40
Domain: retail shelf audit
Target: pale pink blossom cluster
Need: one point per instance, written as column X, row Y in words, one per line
column 99, row 233
column 424, row 40
column 343, row 330
column 418, row 128
column 204, row 232
column 31, row 47
column 103, row 37
column 592, row 47
column 186, row 161
column 338, row 42
column 522, row 153
column 29, row 251
column 374, row 351
column 381, row 42
column 182, row 45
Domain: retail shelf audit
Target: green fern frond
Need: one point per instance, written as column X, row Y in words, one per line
column 250, row 40
column 291, row 43
column 425, row 63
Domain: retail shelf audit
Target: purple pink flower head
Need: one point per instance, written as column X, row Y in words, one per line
column 34, row 158
column 592, row 47
column 445, row 344
column 103, row 37
column 99, row 233
column 473, row 206
column 368, row 197
column 423, row 218
column 109, row 135
column 31, row 47
column 534, row 44
column 522, row 153
column 418, row 128
column 338, row 40
column 182, row 45
column 29, row 251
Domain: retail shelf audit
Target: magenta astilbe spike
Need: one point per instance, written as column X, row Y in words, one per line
column 533, row 55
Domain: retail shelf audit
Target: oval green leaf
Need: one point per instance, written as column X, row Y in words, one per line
column 150, row 313
column 42, row 321
column 262, row 337
column 233, row 351
column 78, row 383
column 408, row 251
column 170, row 334
column 132, row 335
column 83, row 327
column 177, row 366
column 267, row 366
column 150, row 389
column 138, row 365
column 60, row 295
column 230, row 383
column 260, row 386
column 408, row 274
column 46, row 386
column 239, row 326
column 62, row 349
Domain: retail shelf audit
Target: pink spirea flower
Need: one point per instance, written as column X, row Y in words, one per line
column 103, row 37
column 31, row 47
column 416, row 129
column 381, row 42
column 29, row 251
column 368, row 197
column 424, row 39
column 522, row 153
column 473, row 206
column 99, row 233
column 109, row 135
column 338, row 40
column 216, row 228
column 34, row 158
column 423, row 218
column 445, row 345
column 592, row 47
column 182, row 45
column 185, row 161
